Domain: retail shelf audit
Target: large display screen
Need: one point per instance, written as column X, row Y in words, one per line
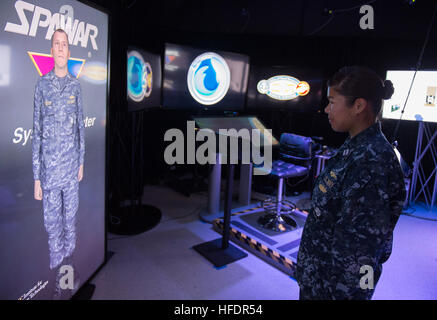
column 143, row 79
column 294, row 88
column 204, row 79
column 421, row 105
column 41, row 126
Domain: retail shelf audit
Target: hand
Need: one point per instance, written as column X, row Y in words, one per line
column 37, row 193
column 80, row 175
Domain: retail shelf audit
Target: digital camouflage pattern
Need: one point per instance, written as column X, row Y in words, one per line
column 356, row 203
column 58, row 151
column 58, row 131
column 60, row 207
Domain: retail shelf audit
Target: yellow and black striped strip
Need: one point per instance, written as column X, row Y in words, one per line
column 248, row 210
column 261, row 248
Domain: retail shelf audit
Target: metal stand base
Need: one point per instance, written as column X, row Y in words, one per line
column 219, row 257
column 220, row 252
column 277, row 223
column 277, row 217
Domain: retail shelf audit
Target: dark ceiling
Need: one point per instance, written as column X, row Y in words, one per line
column 394, row 19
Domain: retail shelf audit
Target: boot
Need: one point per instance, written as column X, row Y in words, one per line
column 70, row 261
column 57, row 291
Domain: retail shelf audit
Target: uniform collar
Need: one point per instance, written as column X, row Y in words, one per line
column 54, row 79
column 364, row 135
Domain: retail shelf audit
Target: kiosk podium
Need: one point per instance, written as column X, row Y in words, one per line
column 220, row 252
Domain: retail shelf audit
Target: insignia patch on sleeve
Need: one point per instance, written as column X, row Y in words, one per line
column 322, row 188
column 332, row 173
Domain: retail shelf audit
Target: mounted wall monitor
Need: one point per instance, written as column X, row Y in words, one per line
column 421, row 105
column 297, row 89
column 143, row 79
column 198, row 79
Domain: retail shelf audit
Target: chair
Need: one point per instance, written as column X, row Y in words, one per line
column 295, row 158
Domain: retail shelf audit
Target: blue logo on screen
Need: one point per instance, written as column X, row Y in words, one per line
column 205, row 78
column 139, row 77
column 135, row 75
column 208, row 78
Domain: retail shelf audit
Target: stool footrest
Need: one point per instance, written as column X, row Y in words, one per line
column 277, row 223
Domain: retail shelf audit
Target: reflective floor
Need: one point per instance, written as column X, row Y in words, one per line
column 160, row 264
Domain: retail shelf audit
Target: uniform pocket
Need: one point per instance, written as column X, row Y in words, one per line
column 325, row 196
column 48, row 126
column 69, row 124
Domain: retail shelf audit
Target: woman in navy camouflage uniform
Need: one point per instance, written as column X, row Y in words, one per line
column 357, row 199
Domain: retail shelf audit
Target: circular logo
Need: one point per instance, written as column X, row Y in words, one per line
column 139, row 77
column 208, row 78
column 303, row 88
column 283, row 87
column 263, row 86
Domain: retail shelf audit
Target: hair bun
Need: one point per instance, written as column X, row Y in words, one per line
column 387, row 90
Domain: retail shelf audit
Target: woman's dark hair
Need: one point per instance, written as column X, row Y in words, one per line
column 361, row 82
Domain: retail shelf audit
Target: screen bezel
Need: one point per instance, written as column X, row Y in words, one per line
column 196, row 106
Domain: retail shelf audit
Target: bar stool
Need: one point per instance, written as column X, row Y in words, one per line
column 295, row 158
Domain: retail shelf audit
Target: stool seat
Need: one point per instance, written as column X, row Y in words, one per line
column 295, row 157
column 283, row 169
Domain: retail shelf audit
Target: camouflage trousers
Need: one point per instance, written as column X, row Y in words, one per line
column 60, row 207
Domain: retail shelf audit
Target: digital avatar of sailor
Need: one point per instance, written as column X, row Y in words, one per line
column 58, row 152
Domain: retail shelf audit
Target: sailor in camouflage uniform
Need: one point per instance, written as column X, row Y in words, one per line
column 58, row 151
column 356, row 200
